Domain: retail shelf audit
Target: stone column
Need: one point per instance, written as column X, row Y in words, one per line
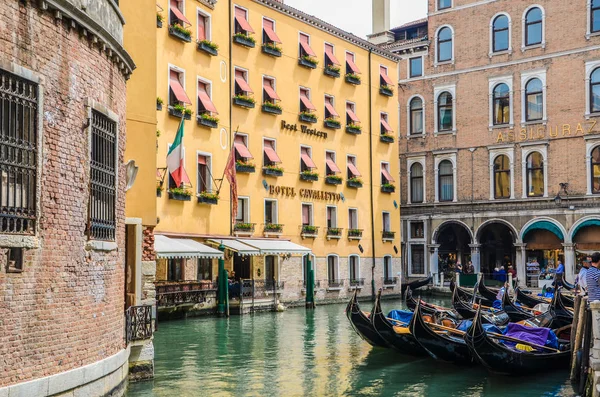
column 595, row 350
column 521, row 256
column 433, row 261
column 475, row 258
column 569, row 251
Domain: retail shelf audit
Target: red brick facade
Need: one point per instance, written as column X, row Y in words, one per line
column 65, row 310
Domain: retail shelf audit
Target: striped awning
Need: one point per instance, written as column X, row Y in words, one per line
column 236, row 246
column 276, row 247
column 172, row 248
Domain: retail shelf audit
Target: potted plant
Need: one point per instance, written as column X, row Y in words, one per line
column 208, row 198
column 352, row 78
column 354, row 182
column 332, row 70
column 159, row 190
column 244, row 39
column 388, row 235
column 309, row 176
column 159, row 20
column 207, row 120
column 334, row 231
column 308, row 62
column 158, row 133
column 353, row 128
column 386, row 138
column 209, row 47
column 245, row 167
column 159, row 103
column 386, row 90
column 332, row 123
column 272, row 170
column 271, row 49
column 307, row 117
column 271, row 107
column 180, row 32
column 244, row 101
column 333, row 179
column 273, row 228
column 356, row 233
column 179, row 111
column 244, row 227
column 180, row 194
column 309, row 229
column 388, row 188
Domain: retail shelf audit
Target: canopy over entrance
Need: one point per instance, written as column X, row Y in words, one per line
column 171, row 248
column 586, row 236
column 276, row 247
column 236, row 246
column 545, row 225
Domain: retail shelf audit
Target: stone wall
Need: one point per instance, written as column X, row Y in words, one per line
column 65, row 310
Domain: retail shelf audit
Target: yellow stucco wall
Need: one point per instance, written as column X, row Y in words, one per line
column 200, row 219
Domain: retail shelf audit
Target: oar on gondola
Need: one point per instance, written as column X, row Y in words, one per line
column 361, row 323
column 514, row 312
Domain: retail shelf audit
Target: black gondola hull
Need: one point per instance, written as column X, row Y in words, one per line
column 514, row 313
column 362, row 325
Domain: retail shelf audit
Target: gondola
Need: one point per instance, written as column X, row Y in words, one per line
column 501, row 359
column 362, row 325
column 529, row 300
column 467, row 296
column 394, row 333
column 448, row 346
column 466, row 311
column 426, row 308
column 567, row 300
column 416, row 284
column 487, row 293
column 514, row 312
column 560, row 312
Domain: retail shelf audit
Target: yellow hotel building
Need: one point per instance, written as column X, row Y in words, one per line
column 311, row 115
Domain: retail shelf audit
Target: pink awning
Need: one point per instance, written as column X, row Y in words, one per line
column 351, row 64
column 240, row 17
column 387, row 175
column 385, row 125
column 307, row 102
column 177, row 89
column 178, row 14
column 353, row 170
column 307, row 49
column 205, row 99
column 332, row 166
column 352, row 115
column 329, row 53
column 243, row 84
column 242, row 150
column 384, row 76
column 268, row 27
column 201, row 28
column 270, row 91
column 201, row 159
column 331, row 109
column 307, row 160
column 272, row 155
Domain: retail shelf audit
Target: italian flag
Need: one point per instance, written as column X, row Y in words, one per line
column 175, row 159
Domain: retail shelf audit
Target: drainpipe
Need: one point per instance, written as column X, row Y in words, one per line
column 371, row 187
column 230, row 72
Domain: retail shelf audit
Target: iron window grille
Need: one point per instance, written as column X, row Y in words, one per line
column 103, row 176
column 18, row 154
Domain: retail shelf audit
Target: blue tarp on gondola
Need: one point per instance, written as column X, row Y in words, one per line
column 465, row 324
column 403, row 316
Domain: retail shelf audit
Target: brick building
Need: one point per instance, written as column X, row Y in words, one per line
column 500, row 146
column 63, row 71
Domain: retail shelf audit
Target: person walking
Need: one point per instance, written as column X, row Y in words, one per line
column 593, row 278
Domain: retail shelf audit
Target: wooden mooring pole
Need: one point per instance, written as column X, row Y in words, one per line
column 576, row 334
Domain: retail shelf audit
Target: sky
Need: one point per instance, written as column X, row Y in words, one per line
column 354, row 16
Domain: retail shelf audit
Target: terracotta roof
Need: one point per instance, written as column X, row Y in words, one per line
column 412, row 23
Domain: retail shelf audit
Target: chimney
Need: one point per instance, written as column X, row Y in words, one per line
column 381, row 15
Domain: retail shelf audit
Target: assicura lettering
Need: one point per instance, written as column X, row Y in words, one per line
column 543, row 131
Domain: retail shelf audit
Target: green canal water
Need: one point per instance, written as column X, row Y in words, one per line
column 310, row 353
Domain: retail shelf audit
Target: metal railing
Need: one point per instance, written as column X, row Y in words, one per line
column 139, row 324
column 335, row 283
column 388, row 234
column 334, row 231
column 357, row 282
column 317, row 284
column 357, row 233
column 184, row 292
column 390, row 280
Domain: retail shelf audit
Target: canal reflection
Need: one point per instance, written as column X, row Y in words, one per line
column 309, row 353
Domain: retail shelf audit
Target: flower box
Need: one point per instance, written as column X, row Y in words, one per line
column 158, row 106
column 334, row 232
column 204, row 46
column 386, row 91
column 388, row 235
column 307, row 118
column 273, row 228
column 309, row 177
column 245, row 168
column 331, row 72
column 178, row 113
column 272, row 172
column 243, row 227
column 333, row 124
column 305, row 62
column 388, row 189
column 180, row 34
column 180, row 196
column 354, row 130
column 354, row 183
column 352, row 79
column 245, row 103
column 205, row 122
column 271, row 50
column 244, row 40
column 309, row 231
column 333, row 180
column 159, row 23
column 208, row 198
column 355, row 234
column 271, row 109
column 386, row 138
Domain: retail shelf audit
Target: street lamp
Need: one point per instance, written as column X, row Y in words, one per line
column 563, row 188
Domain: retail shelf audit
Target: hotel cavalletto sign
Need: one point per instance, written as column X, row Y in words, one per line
column 307, row 194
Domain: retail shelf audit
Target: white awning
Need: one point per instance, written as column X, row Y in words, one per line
column 276, row 247
column 237, row 246
column 171, row 248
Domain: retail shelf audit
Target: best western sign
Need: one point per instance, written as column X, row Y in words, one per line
column 304, row 129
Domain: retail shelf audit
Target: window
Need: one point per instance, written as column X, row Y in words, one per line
column 241, row 21
column 243, row 210
column 331, row 167
column 176, row 13
column 417, row 230
column 417, row 259
column 388, row 274
column 500, row 34
column 443, row 4
column 351, row 117
column 354, row 265
column 444, row 45
column 269, row 34
column 270, row 157
column 386, row 128
column 19, row 127
column 595, row 90
column 270, row 273
column 534, row 97
column 14, row 260
column 502, row 180
column 330, row 111
column 352, row 218
column 535, row 175
column 204, row 173
column 416, row 67
column 241, row 82
column 446, row 180
column 501, row 104
column 205, row 104
column 270, row 212
column 332, row 269
column 204, row 269
column 305, row 103
column 269, row 93
column 595, row 16
column 240, row 145
column 175, row 269
column 352, row 168
column 204, row 27
column 307, row 215
column 304, row 49
column 177, row 95
column 444, row 105
column 331, row 217
column 330, row 58
column 306, row 163
column 351, row 64
column 533, row 27
column 387, row 225
column 384, row 79
column 595, row 166
column 416, row 183
column 386, row 176
column 103, row 178
column 416, row 116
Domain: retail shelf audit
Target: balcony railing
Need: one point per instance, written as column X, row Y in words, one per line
column 260, row 289
column 317, row 284
column 390, row 280
column 139, row 324
column 355, row 234
column 173, row 293
column 335, row 283
column 334, row 232
column 357, row 282
column 387, row 235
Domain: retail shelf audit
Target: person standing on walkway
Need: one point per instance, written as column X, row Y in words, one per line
column 593, row 278
column 581, row 281
column 560, row 273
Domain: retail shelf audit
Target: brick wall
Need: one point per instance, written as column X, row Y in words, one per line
column 66, row 309
column 148, row 253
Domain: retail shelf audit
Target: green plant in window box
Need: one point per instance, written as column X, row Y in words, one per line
column 208, row 195
column 180, row 29
column 354, row 232
column 243, row 163
column 158, row 133
column 180, row 191
column 244, row 226
column 159, row 101
column 309, row 174
column 308, row 117
column 309, row 229
column 182, row 109
column 272, row 105
column 353, row 76
column 355, row 182
column 330, row 121
column 272, row 167
column 159, row 190
column 245, row 37
column 333, row 68
column 333, row 178
column 273, row 46
column 208, row 117
column 334, row 231
column 159, row 20
column 388, row 187
column 213, row 46
column 244, row 98
column 386, row 87
column 354, row 126
column 312, row 60
column 273, row 227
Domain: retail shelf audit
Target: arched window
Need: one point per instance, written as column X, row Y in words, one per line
column 444, row 104
column 534, row 100
column 595, row 15
column 446, row 181
column 444, row 45
column 416, row 116
column 416, row 183
column 595, row 170
column 535, row 175
column 501, row 177
column 500, row 33
column 595, row 90
column 533, row 27
column 501, row 97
